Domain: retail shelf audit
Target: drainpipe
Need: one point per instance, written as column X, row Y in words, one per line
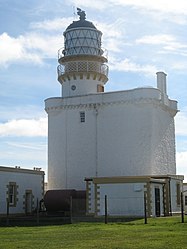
column 170, row 206
column 96, row 139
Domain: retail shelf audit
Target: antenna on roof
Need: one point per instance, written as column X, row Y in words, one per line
column 74, row 13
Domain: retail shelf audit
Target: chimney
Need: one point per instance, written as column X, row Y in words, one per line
column 161, row 82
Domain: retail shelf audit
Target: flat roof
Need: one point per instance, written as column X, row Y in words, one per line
column 18, row 169
column 133, row 179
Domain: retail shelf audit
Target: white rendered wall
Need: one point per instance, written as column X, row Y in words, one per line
column 24, row 181
column 127, row 198
column 122, row 199
column 173, row 185
column 71, row 147
column 138, row 140
column 82, row 86
column 126, row 133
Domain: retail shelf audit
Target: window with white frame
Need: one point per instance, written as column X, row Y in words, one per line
column 82, row 117
column 12, row 193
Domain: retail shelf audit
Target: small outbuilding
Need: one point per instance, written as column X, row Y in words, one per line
column 185, row 196
column 127, row 195
column 20, row 189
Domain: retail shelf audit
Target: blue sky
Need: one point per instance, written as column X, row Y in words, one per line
column 142, row 37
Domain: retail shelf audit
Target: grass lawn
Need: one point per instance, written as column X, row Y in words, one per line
column 160, row 233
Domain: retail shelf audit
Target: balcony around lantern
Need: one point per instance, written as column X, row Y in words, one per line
column 82, row 66
column 66, row 54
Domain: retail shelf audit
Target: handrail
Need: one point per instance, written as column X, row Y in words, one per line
column 88, row 67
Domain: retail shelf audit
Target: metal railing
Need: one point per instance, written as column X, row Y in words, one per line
column 82, row 66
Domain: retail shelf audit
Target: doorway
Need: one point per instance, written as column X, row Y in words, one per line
column 28, row 202
column 157, row 202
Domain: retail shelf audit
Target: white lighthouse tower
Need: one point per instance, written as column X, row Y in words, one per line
column 92, row 133
column 82, row 71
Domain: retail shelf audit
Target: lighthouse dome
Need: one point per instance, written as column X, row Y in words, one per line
column 82, row 38
column 82, row 21
column 81, row 24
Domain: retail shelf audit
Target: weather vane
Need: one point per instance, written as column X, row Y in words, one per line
column 81, row 14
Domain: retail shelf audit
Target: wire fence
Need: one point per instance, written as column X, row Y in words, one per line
column 104, row 210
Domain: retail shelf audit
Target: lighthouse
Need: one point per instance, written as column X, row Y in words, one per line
column 82, row 72
column 92, row 133
column 82, row 68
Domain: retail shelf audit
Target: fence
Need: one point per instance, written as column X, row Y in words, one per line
column 108, row 209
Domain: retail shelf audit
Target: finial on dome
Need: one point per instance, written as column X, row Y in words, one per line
column 81, row 14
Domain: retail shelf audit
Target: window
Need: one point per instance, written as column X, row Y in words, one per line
column 185, row 200
column 100, row 88
column 82, row 117
column 12, row 193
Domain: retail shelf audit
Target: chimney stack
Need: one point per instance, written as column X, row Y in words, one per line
column 161, row 82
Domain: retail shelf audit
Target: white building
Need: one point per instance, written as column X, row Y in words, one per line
column 21, row 188
column 125, row 195
column 96, row 134
column 185, row 196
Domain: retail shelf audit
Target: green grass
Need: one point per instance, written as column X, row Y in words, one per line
column 158, row 233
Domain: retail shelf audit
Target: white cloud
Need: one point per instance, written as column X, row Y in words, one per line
column 180, row 66
column 56, row 24
column 181, row 161
column 158, row 16
column 168, row 43
column 113, row 29
column 177, row 7
column 13, row 49
column 46, row 46
column 160, row 10
column 156, row 39
column 28, row 154
column 25, row 158
column 181, row 124
column 96, row 4
column 28, row 146
column 32, row 47
column 24, row 127
column 128, row 66
column 181, row 131
column 113, row 34
column 21, row 112
column 35, row 46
